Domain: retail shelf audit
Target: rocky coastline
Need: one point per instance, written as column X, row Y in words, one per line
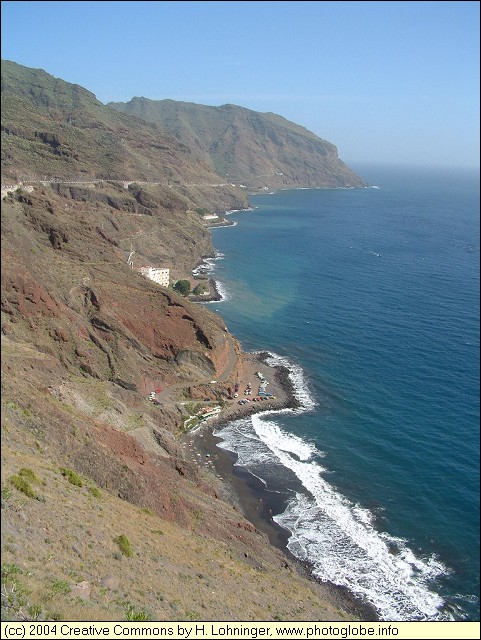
column 246, row 493
column 213, row 295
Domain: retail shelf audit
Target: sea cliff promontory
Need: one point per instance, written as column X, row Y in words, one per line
column 245, row 147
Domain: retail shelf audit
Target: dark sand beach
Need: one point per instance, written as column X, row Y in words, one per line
column 246, row 492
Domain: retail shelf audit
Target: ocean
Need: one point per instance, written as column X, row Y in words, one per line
column 371, row 298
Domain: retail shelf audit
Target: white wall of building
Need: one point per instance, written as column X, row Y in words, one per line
column 160, row 276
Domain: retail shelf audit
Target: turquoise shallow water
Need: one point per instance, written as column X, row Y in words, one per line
column 372, row 295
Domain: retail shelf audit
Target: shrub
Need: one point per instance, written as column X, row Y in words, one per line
column 136, row 616
column 124, row 546
column 6, row 493
column 60, row 586
column 192, row 615
column 9, row 570
column 34, row 611
column 28, row 474
column 72, row 477
column 199, row 289
column 22, row 485
column 182, row 287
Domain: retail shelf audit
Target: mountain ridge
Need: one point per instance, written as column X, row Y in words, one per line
column 245, row 146
column 51, row 126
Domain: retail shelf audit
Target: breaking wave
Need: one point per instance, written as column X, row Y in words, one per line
column 336, row 537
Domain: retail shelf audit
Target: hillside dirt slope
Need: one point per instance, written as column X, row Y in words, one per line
column 105, row 513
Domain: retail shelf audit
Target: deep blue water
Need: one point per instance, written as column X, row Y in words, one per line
column 374, row 293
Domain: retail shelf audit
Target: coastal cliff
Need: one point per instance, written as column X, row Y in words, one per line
column 104, row 515
column 246, row 147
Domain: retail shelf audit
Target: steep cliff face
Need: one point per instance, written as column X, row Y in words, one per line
column 247, row 147
column 85, row 339
column 65, row 282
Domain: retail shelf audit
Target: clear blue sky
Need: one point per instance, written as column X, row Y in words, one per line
column 390, row 82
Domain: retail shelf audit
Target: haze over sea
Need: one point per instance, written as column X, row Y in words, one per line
column 373, row 295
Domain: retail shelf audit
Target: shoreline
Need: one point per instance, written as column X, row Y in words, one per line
column 202, row 271
column 241, row 488
column 246, row 492
column 205, row 265
column 213, row 296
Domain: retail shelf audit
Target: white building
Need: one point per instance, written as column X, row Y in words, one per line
column 160, row 276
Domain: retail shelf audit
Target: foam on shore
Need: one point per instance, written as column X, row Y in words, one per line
column 336, row 537
column 297, row 378
column 205, row 270
column 208, row 264
column 228, row 213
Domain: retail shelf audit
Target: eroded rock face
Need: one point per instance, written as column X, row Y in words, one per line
column 85, row 342
column 196, row 362
column 89, row 309
column 91, row 335
column 87, row 339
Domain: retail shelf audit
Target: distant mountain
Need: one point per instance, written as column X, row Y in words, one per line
column 56, row 129
column 52, row 127
column 247, row 147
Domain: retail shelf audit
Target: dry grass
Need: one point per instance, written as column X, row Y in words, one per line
column 173, row 573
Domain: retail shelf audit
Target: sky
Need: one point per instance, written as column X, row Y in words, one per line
column 386, row 82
